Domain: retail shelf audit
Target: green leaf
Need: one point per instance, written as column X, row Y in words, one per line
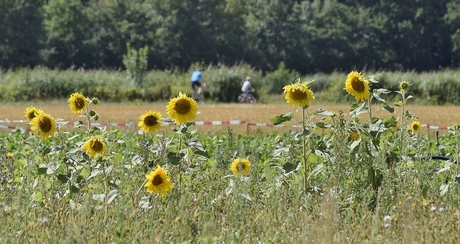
column 197, row 147
column 322, row 125
column 112, row 195
column 324, row 112
column 173, row 158
column 444, row 188
column 457, row 178
column 356, row 109
column 390, row 122
column 290, row 167
column 37, row 196
column 377, row 96
column 388, row 108
column 281, row 119
column 42, row 170
column 63, row 178
column 398, row 103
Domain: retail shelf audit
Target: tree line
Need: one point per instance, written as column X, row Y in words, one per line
column 308, row 36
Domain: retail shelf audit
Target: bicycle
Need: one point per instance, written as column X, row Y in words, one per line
column 198, row 96
column 242, row 98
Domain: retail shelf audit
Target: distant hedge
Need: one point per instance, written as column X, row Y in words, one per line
column 222, row 84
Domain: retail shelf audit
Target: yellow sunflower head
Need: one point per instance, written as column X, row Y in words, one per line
column 415, row 126
column 77, row 103
column 149, row 121
column 240, row 166
column 357, row 86
column 31, row 112
column 182, row 109
column 404, row 85
column 158, row 181
column 43, row 125
column 298, row 94
column 94, row 146
column 353, row 136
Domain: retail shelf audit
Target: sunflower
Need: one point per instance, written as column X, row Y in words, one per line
column 357, row 86
column 149, row 121
column 95, row 145
column 31, row 112
column 415, row 126
column 44, row 125
column 240, row 166
column 158, row 181
column 77, row 103
column 298, row 94
column 182, row 109
column 353, row 136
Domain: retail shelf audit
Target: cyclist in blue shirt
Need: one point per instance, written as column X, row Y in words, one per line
column 195, row 81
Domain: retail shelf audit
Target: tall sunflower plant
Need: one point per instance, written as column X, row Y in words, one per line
column 182, row 111
column 299, row 95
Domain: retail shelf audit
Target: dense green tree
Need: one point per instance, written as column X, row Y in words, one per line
column 21, row 33
column 415, row 32
column 66, row 27
column 452, row 17
column 307, row 35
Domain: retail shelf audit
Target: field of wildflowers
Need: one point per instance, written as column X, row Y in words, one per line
column 361, row 179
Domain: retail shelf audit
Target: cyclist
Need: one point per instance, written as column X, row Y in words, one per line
column 247, row 87
column 195, row 82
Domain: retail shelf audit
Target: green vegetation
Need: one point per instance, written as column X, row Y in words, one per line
column 223, row 84
column 364, row 179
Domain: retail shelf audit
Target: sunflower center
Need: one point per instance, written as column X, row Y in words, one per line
column 150, row 120
column 182, row 106
column 45, row 124
column 97, row 146
column 157, row 180
column 79, row 103
column 240, row 166
column 299, row 95
column 357, row 85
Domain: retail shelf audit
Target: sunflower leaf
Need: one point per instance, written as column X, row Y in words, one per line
column 398, row 103
column 281, row 119
column 290, row 167
column 197, row 147
column 173, row 158
column 388, row 108
column 324, row 112
column 377, row 96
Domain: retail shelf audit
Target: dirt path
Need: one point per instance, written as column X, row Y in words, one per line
column 258, row 113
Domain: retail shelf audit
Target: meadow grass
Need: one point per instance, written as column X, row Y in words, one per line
column 317, row 182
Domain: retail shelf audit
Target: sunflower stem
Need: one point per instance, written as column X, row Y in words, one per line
column 178, row 151
column 403, row 122
column 88, row 116
column 304, row 150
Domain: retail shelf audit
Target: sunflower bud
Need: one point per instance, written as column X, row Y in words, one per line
column 403, row 85
column 94, row 100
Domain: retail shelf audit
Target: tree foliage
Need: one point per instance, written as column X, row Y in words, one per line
column 308, row 36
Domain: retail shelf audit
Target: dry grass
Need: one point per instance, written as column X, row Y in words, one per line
column 258, row 113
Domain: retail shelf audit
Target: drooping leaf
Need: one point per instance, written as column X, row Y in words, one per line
column 324, row 112
column 281, row 119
